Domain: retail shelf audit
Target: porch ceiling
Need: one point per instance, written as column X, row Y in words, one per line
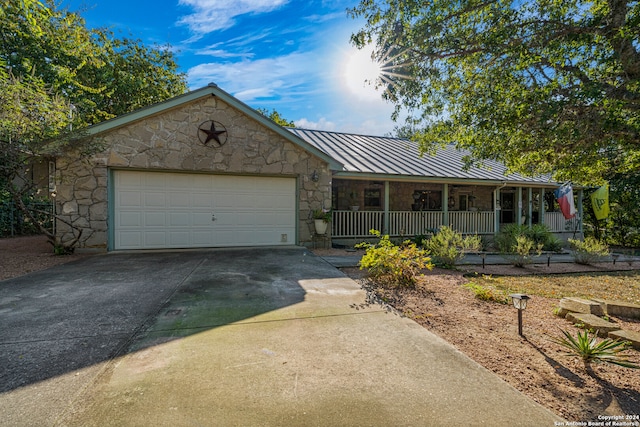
column 375, row 155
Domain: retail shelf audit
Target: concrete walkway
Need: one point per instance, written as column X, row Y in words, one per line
column 260, row 337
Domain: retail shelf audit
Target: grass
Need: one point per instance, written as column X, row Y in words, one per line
column 620, row 286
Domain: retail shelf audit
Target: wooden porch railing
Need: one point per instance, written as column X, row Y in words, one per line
column 409, row 223
column 557, row 224
column 481, row 222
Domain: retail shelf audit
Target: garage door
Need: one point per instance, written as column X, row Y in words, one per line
column 155, row 210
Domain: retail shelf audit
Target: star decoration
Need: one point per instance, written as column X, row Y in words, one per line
column 210, row 133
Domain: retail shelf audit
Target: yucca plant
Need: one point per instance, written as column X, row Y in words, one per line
column 591, row 351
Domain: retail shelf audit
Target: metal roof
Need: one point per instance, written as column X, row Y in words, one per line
column 395, row 157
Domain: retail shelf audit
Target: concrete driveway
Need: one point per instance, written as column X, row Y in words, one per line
column 229, row 337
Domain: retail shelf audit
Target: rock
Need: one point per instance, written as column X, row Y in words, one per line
column 621, row 308
column 580, row 305
column 593, row 322
column 631, row 336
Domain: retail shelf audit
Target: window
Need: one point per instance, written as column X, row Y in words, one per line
column 427, row 200
column 372, row 198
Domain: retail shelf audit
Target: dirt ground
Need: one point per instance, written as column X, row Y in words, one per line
column 485, row 331
column 21, row 255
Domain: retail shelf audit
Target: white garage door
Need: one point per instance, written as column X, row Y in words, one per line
column 156, row 210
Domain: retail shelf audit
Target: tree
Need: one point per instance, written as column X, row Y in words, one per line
column 276, row 117
column 545, row 86
column 57, row 76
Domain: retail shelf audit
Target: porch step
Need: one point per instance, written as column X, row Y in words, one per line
column 619, row 308
column 591, row 321
column 631, row 336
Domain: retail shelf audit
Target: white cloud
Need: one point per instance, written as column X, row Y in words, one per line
column 249, row 80
column 322, row 124
column 212, row 15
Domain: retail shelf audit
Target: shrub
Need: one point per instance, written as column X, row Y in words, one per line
column 391, row 264
column 523, row 251
column 448, row 246
column 487, row 293
column 590, row 350
column 538, row 233
column 588, row 251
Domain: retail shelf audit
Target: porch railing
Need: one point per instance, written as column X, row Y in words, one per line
column 465, row 222
column 409, row 223
column 557, row 224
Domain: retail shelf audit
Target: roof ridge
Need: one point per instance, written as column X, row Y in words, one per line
column 346, row 133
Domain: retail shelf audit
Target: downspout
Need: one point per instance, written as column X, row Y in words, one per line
column 530, row 210
column 542, row 206
column 519, row 218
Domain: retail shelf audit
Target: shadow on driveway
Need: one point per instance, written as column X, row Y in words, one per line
column 82, row 313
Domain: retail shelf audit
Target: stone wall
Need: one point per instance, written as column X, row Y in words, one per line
column 169, row 142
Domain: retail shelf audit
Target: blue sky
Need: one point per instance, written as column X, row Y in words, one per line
column 290, row 55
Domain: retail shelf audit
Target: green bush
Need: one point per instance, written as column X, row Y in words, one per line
column 448, row 246
column 523, row 251
column 486, row 293
column 589, row 350
column 588, row 251
column 391, row 264
column 506, row 240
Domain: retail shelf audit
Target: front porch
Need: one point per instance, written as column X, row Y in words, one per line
column 408, row 209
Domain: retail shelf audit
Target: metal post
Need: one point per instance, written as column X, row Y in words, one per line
column 520, row 322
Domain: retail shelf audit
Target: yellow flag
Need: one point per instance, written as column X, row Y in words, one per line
column 600, row 202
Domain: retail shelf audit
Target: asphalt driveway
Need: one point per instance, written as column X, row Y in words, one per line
column 229, row 337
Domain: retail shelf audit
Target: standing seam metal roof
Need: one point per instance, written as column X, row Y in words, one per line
column 395, row 156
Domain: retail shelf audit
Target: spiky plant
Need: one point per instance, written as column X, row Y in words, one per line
column 589, row 350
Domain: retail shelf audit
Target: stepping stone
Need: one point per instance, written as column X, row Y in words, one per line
column 593, row 322
column 580, row 305
column 631, row 336
column 621, row 308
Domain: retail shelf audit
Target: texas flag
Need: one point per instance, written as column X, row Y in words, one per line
column 564, row 196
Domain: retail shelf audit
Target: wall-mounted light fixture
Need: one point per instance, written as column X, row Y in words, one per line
column 314, row 176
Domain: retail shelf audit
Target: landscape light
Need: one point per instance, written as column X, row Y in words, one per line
column 520, row 302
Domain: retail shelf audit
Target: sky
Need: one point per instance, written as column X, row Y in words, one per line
column 293, row 56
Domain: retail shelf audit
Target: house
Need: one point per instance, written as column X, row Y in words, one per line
column 205, row 170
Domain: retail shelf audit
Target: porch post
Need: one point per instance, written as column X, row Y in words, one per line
column 519, row 211
column 530, row 203
column 445, row 204
column 386, row 207
column 542, row 205
column 580, row 210
column 496, row 210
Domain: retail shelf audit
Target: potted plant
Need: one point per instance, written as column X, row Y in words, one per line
column 353, row 200
column 321, row 218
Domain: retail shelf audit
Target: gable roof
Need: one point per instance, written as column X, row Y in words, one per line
column 395, row 158
column 210, row 90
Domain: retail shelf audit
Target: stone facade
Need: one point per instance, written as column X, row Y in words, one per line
column 169, row 142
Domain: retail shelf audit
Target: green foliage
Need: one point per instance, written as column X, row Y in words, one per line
column 524, row 250
column 448, row 246
column 588, row 251
column 276, row 117
column 322, row 214
column 57, row 76
column 589, row 350
column 622, row 227
column 539, row 234
column 393, row 265
column 486, row 293
column 544, row 87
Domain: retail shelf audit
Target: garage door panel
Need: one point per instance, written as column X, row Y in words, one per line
column 172, row 210
column 179, row 219
column 154, row 219
column 130, row 219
